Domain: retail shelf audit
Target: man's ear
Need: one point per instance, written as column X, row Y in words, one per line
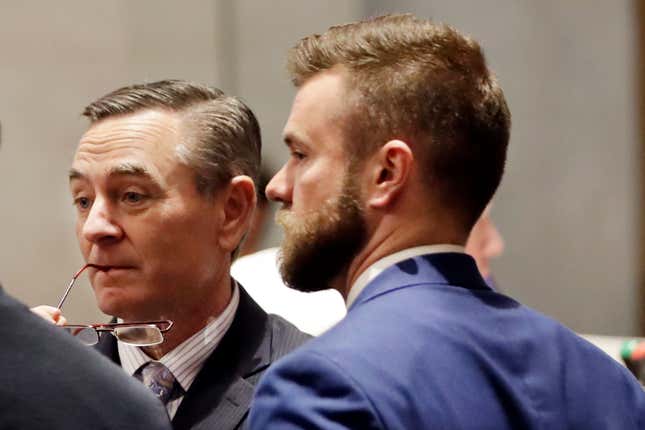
column 390, row 168
column 238, row 206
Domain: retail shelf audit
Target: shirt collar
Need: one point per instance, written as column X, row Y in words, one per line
column 380, row 265
column 187, row 359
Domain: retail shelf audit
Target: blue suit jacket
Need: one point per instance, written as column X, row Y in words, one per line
column 428, row 345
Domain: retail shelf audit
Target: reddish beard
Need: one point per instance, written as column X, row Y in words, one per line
column 320, row 245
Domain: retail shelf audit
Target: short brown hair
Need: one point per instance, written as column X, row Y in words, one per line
column 224, row 134
column 423, row 83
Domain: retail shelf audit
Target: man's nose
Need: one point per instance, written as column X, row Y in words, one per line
column 99, row 225
column 278, row 188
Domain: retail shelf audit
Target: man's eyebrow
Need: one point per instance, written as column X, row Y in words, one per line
column 124, row 169
column 129, row 169
column 75, row 174
column 291, row 139
column 288, row 140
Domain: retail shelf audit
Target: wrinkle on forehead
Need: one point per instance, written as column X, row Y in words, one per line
column 133, row 131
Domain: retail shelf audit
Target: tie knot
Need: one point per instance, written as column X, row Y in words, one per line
column 160, row 380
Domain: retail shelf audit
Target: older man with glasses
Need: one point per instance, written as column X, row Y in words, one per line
column 163, row 185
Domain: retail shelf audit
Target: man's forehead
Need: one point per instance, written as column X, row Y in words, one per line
column 318, row 106
column 146, row 126
column 142, row 144
column 148, row 133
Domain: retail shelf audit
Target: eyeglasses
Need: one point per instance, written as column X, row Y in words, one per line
column 142, row 333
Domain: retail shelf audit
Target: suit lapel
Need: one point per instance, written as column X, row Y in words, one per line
column 221, row 394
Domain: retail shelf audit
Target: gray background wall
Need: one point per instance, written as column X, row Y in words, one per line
column 567, row 206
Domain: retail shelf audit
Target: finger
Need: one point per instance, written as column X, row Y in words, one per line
column 48, row 313
column 61, row 320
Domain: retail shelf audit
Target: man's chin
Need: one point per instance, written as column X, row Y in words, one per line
column 117, row 303
column 113, row 308
column 312, row 275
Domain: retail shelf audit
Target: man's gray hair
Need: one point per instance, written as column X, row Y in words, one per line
column 222, row 135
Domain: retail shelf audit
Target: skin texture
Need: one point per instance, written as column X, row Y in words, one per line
column 164, row 248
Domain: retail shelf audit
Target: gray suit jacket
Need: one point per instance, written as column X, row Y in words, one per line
column 221, row 394
column 49, row 380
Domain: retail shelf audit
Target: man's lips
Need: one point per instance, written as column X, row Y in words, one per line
column 110, row 267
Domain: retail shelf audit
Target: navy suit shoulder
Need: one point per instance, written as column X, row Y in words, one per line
column 221, row 394
column 428, row 345
column 49, row 380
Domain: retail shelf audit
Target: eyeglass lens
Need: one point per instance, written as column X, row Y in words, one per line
column 139, row 335
column 87, row 335
column 144, row 335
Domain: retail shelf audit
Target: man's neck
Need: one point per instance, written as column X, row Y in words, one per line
column 191, row 318
column 380, row 245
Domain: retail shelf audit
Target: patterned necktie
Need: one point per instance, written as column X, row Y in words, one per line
column 159, row 380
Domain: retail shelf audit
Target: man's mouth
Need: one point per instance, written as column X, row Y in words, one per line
column 109, row 268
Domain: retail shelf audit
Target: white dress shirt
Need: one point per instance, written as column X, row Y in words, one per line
column 187, row 359
column 312, row 312
column 380, row 265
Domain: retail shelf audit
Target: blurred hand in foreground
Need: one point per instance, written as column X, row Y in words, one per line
column 50, row 313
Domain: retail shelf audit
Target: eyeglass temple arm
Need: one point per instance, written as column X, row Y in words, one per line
column 71, row 284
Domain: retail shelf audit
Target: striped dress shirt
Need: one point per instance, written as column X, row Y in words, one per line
column 187, row 359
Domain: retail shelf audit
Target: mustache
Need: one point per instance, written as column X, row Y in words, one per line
column 281, row 217
column 304, row 226
column 284, row 218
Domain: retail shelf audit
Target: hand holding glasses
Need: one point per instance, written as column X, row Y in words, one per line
column 142, row 333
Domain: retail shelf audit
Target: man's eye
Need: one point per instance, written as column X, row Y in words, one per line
column 133, row 197
column 82, row 203
column 297, row 155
